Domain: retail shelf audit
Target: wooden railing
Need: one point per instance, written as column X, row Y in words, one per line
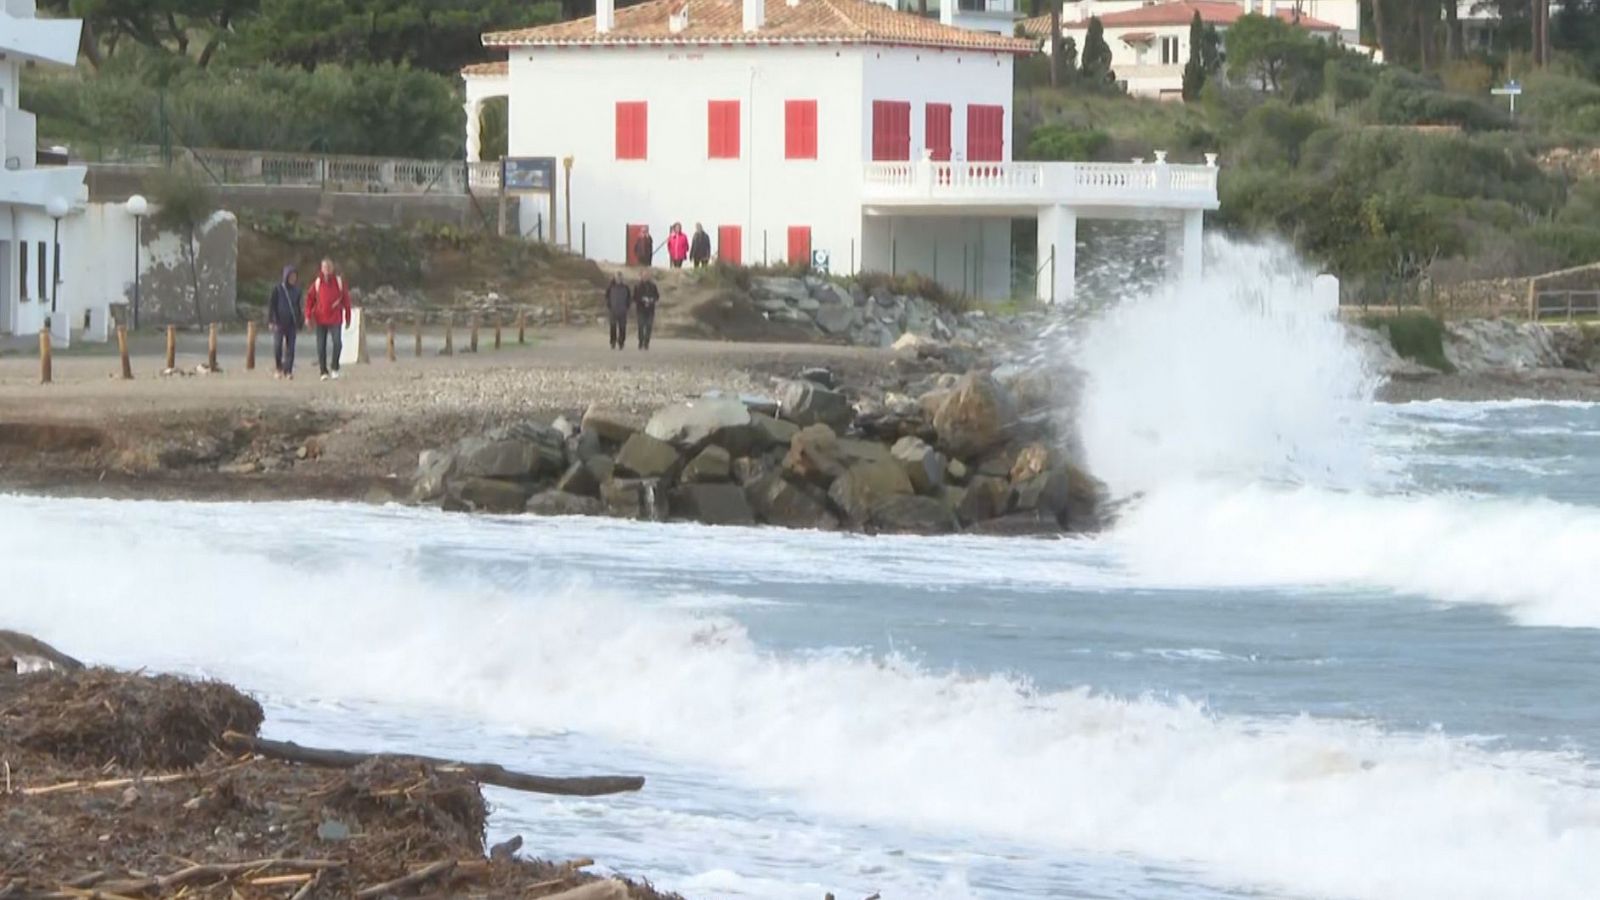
column 1566, row 304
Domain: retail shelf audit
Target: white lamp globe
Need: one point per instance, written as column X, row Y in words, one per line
column 137, row 205
column 57, row 207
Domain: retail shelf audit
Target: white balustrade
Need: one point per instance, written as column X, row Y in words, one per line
column 1128, row 184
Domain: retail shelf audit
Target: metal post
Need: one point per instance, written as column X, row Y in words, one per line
column 566, row 163
column 964, row 276
column 763, row 246
column 852, row 256
column 137, row 220
column 894, row 258
column 55, row 275
column 584, row 249
column 1052, row 274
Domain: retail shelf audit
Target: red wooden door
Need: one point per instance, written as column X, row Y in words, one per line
column 800, row 245
column 986, row 133
column 730, row 244
column 936, row 130
column 891, row 130
column 633, row 236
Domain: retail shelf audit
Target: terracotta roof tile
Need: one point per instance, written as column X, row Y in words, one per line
column 722, row 21
column 1181, row 12
column 487, row 70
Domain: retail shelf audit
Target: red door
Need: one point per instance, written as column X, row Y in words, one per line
column 633, row 237
column 936, row 130
column 730, row 244
column 800, row 245
column 891, row 130
column 986, row 133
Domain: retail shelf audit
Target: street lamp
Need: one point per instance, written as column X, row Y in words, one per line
column 56, row 209
column 137, row 206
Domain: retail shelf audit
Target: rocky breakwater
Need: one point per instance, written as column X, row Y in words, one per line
column 875, row 317
column 969, row 452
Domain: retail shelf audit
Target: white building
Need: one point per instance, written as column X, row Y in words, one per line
column 837, row 132
column 1150, row 41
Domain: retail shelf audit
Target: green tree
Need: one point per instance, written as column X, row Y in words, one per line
column 1205, row 57
column 1273, row 55
column 184, row 203
column 1053, row 143
column 1096, row 65
column 184, row 27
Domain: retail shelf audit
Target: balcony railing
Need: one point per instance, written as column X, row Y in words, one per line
column 360, row 174
column 1037, row 183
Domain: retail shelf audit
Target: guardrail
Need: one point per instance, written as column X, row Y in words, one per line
column 1114, row 184
column 359, row 174
column 1565, row 304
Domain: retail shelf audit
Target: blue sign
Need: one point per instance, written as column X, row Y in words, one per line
column 530, row 174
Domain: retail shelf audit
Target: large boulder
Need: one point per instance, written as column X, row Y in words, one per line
column 789, row 289
column 712, row 504
column 492, row 495
column 836, row 320
column 748, row 469
column 724, row 421
column 563, row 503
column 713, row 464
column 611, row 424
column 807, row 403
column 974, row 417
column 485, row 457
column 1046, row 492
column 765, row 431
column 814, row 456
column 584, row 477
column 1031, row 462
column 548, row 445
column 922, row 464
column 643, row 456
column 26, row 654
column 778, row 501
column 914, row 515
column 1086, row 501
column 434, row 468
column 634, row 498
column 864, row 486
column 985, row 498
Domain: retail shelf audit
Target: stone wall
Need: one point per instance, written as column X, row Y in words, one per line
column 1507, row 297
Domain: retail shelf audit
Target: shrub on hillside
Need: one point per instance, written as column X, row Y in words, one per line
column 1416, row 336
column 1062, row 143
column 1400, row 98
column 1274, row 133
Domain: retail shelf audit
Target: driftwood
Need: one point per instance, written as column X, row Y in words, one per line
column 483, row 773
column 209, row 872
column 421, row 876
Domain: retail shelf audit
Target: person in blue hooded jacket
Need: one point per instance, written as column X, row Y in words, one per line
column 283, row 317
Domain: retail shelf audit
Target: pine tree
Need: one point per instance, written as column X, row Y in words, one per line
column 1096, row 54
column 1194, row 73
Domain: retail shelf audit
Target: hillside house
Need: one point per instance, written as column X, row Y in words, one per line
column 841, row 134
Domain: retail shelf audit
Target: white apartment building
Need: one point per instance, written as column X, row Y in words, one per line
column 840, row 133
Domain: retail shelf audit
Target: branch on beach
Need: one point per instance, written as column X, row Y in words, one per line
column 483, row 773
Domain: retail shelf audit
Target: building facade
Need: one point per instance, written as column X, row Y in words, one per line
column 840, row 134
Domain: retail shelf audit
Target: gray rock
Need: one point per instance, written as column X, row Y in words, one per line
column 974, row 417
column 713, row 464
column 434, row 468
column 584, row 477
column 564, row 427
column 772, row 305
column 778, row 501
column 548, row 445
column 998, row 463
column 634, row 498
column 765, row 431
column 587, row 445
column 646, row 457
column 835, row 320
column 484, row 457
column 814, row 456
column 956, row 471
column 807, row 403
column 1046, row 492
column 831, row 293
column 986, row 498
column 808, row 305
column 712, row 504
column 865, row 485
column 854, row 450
column 613, row 425
column 785, row 288
column 563, row 503
column 820, row 376
column 749, row 469
column 914, row 515
column 492, row 495
column 29, row 654
column 922, row 464
column 721, row 420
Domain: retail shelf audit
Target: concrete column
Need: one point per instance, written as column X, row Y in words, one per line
column 1193, row 245
column 474, row 131
column 1058, row 235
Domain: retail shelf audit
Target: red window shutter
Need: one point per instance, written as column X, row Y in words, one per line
column 891, row 130
column 800, row 245
column 722, row 122
column 985, row 133
column 730, row 244
column 800, row 129
column 632, row 129
column 936, row 128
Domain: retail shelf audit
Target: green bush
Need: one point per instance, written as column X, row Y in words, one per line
column 1418, row 337
column 1568, row 245
column 1274, row 133
column 1400, row 98
column 1059, row 142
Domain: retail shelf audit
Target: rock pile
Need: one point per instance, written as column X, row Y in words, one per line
column 873, row 319
column 962, row 452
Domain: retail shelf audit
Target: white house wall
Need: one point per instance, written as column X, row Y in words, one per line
column 562, row 103
column 967, row 255
column 923, row 76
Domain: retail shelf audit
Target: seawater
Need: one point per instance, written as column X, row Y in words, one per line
column 1331, row 648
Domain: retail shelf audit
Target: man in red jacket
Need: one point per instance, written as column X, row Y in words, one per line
column 328, row 307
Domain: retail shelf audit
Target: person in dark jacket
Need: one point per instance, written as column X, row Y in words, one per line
column 645, row 297
column 617, row 299
column 283, row 317
column 644, row 247
column 700, row 247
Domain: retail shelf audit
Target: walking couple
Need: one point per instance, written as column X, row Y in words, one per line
column 326, row 306
column 643, row 297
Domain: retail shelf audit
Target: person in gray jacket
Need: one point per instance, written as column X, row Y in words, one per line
column 618, row 298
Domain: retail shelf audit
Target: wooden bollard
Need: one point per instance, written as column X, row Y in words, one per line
column 472, row 342
column 45, row 363
column 522, row 327
column 361, row 341
column 449, row 336
column 416, row 335
column 211, row 348
column 250, row 346
column 391, row 340
column 566, row 302
column 122, row 350
column 172, row 347
column 497, row 331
